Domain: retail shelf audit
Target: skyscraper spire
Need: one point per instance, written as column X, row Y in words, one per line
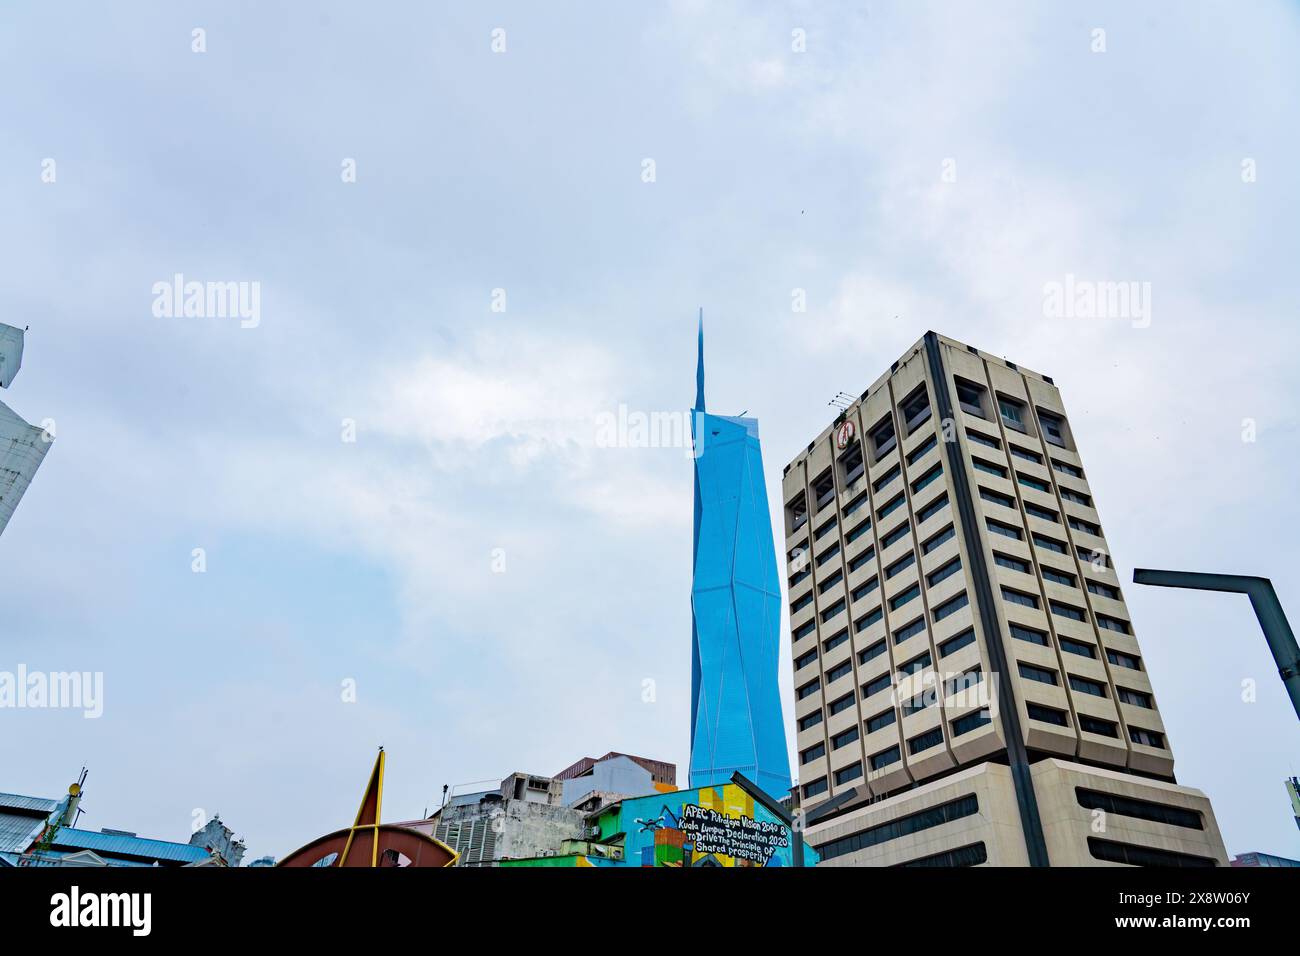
column 736, row 723
column 699, row 368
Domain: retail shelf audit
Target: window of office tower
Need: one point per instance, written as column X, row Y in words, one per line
column 1013, row 413
column 824, row 489
column 970, row 397
column 797, row 512
column 851, row 464
column 916, row 409
column 883, row 438
column 1053, row 428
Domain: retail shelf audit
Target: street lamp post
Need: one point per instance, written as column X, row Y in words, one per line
column 1272, row 620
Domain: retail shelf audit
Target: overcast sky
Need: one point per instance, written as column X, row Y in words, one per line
column 379, row 560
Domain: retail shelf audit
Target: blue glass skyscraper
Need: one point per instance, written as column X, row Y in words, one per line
column 735, row 608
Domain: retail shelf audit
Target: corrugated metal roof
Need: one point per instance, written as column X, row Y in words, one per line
column 18, row 830
column 51, row 858
column 16, row 801
column 112, row 843
column 11, row 353
column 22, row 449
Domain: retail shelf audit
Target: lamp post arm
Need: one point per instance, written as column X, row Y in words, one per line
column 1268, row 610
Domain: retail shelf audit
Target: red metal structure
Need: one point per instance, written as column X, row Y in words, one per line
column 371, row 843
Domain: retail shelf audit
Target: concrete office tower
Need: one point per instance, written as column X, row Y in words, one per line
column 22, row 446
column 736, row 722
column 968, row 686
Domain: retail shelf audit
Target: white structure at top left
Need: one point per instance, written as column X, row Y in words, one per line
column 11, row 353
column 22, row 446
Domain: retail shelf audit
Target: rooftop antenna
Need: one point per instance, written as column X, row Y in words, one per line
column 842, row 400
column 76, row 792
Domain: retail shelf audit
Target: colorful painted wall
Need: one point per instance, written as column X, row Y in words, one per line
column 706, row 826
column 569, row 861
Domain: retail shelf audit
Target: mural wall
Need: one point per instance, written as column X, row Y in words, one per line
column 707, row 826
